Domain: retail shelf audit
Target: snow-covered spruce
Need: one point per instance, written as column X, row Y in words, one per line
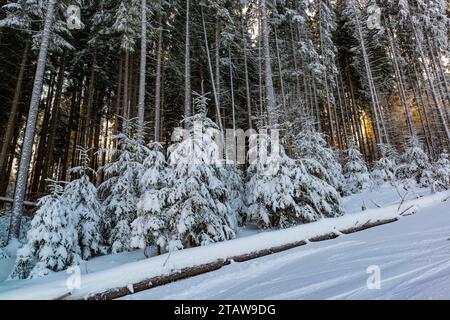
column 385, row 167
column 441, row 173
column 356, row 174
column 148, row 227
column 280, row 191
column 191, row 208
column 415, row 166
column 52, row 240
column 122, row 190
column 81, row 198
column 318, row 159
column 232, row 177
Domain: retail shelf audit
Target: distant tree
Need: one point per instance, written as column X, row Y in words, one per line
column 356, row 174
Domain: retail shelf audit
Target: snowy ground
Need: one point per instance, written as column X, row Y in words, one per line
column 413, row 256
column 320, row 270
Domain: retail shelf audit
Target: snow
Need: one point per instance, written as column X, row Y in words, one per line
column 413, row 256
column 101, row 273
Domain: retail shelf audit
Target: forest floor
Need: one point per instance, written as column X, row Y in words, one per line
column 412, row 254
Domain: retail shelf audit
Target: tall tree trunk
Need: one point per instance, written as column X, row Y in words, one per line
column 213, row 83
column 325, row 81
column 373, row 93
column 233, row 107
column 46, row 172
column 399, row 78
column 73, row 107
column 22, row 175
column 157, row 134
column 142, row 71
column 438, row 105
column 118, row 101
column 247, row 81
column 13, row 113
column 270, row 92
column 126, row 90
column 280, row 69
column 187, row 66
column 217, row 61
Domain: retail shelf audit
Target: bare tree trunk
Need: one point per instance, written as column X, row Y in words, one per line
column 247, row 81
column 443, row 75
column 270, row 92
column 216, row 96
column 233, row 107
column 22, row 176
column 325, row 81
column 73, row 107
column 187, row 66
column 260, row 74
column 294, row 55
column 53, row 125
column 217, row 60
column 126, row 88
column 280, row 69
column 142, row 71
column 158, row 84
column 373, row 93
column 119, row 96
column 399, row 77
column 432, row 89
column 9, row 133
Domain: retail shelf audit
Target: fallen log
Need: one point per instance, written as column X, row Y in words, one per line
column 213, row 266
column 26, row 203
column 159, row 281
column 266, row 252
column 368, row 225
column 329, row 236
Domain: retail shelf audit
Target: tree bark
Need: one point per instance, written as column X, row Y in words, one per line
column 13, row 113
column 142, row 72
column 22, row 176
column 270, row 92
column 187, row 66
column 158, row 84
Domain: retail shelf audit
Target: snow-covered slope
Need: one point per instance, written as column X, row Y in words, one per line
column 121, row 270
column 413, row 255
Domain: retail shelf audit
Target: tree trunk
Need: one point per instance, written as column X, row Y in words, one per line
column 46, row 173
column 247, row 81
column 142, row 72
column 432, row 89
column 187, row 66
column 22, row 176
column 158, row 84
column 270, row 92
column 13, row 113
column 216, row 95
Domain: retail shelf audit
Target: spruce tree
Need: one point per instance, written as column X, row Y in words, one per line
column 81, row 198
column 122, row 190
column 280, row 191
column 441, row 173
column 148, row 227
column 191, row 208
column 318, row 159
column 385, row 167
column 52, row 241
column 356, row 174
column 415, row 164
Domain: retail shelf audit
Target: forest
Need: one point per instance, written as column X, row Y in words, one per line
column 100, row 100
